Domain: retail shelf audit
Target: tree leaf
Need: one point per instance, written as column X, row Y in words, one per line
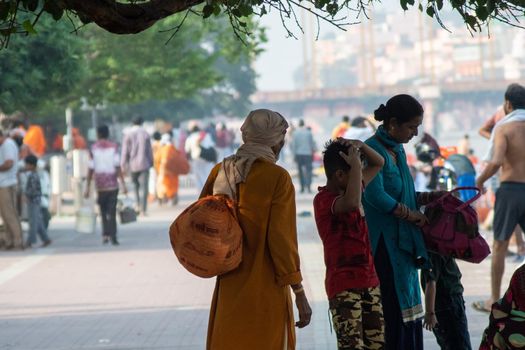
column 207, row 11
column 236, row 12
column 482, row 13
column 5, row 9
column 246, row 10
column 430, row 11
column 28, row 27
column 32, row 5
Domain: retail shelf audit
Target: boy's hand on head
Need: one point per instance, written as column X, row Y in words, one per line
column 350, row 143
column 353, row 157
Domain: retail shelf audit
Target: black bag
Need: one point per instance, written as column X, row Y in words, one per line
column 209, row 154
column 126, row 211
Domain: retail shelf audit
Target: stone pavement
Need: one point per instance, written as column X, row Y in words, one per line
column 78, row 294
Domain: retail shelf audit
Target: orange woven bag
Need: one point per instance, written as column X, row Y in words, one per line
column 207, row 238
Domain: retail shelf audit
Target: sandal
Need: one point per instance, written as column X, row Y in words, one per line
column 480, row 306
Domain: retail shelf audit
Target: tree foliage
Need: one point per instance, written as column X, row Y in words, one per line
column 41, row 71
column 204, row 70
column 205, row 65
column 134, row 16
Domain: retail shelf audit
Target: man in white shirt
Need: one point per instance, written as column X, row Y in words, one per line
column 201, row 148
column 11, row 238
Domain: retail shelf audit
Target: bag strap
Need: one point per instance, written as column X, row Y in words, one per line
column 467, row 203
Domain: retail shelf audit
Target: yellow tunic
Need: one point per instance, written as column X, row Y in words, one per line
column 251, row 307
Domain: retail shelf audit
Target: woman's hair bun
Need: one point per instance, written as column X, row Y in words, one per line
column 381, row 113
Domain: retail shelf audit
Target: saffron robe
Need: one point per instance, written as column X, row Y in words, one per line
column 252, row 305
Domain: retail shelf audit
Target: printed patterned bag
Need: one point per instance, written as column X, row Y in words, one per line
column 207, row 238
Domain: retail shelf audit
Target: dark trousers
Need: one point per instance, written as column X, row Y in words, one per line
column 141, row 178
column 36, row 223
column 46, row 215
column 452, row 329
column 304, row 164
column 107, row 201
column 398, row 335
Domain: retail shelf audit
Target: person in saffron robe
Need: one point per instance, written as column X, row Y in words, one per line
column 36, row 140
column 252, row 305
column 168, row 179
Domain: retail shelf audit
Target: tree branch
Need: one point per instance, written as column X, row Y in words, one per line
column 126, row 18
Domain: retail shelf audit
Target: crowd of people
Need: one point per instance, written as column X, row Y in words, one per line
column 151, row 160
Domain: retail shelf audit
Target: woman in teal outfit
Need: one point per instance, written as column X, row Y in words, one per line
column 391, row 207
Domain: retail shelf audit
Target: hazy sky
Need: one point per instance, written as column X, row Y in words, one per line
column 282, row 56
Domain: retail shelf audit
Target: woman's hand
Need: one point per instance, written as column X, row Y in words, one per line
column 303, row 307
column 417, row 218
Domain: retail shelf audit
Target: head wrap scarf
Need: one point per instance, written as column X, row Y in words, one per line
column 262, row 130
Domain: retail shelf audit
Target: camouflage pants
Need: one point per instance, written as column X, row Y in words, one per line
column 357, row 315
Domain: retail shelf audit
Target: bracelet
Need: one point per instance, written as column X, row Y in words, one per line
column 404, row 212
column 430, row 313
column 298, row 290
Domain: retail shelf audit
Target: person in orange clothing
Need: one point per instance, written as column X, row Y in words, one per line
column 165, row 162
column 341, row 128
column 252, row 305
column 36, row 141
column 79, row 142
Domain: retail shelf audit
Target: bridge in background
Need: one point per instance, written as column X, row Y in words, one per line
column 335, row 102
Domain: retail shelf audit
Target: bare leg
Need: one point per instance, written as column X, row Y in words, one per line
column 499, row 251
column 519, row 240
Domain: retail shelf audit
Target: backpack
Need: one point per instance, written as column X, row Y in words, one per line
column 453, row 228
column 207, row 238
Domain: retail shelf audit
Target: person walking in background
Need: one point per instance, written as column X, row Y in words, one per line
column 303, row 148
column 104, row 166
column 178, row 135
column 33, row 195
column 35, row 139
column 45, row 185
column 165, row 163
column 12, row 234
column 137, row 158
column 341, row 128
column 351, row 283
column 252, row 306
column 464, row 145
column 394, row 221
column 201, row 150
column 154, row 171
column 225, row 138
column 361, row 129
column 444, row 304
column 79, row 142
column 506, row 153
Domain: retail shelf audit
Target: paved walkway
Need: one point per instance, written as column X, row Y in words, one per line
column 78, row 294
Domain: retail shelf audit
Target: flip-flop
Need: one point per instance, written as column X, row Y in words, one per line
column 480, row 306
